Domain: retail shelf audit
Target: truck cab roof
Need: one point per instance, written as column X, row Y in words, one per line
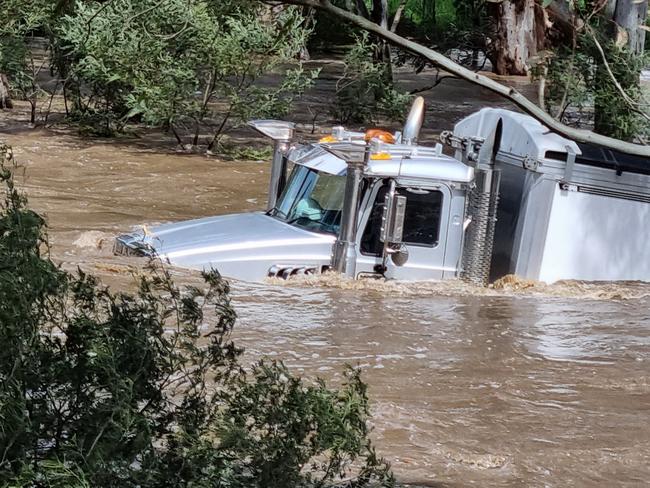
column 387, row 160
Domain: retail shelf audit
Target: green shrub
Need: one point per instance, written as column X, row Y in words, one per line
column 194, row 68
column 105, row 389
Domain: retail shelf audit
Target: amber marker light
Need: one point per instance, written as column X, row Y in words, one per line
column 381, row 156
column 382, row 135
column 328, row 139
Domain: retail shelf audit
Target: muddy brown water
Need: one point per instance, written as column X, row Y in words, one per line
column 524, row 385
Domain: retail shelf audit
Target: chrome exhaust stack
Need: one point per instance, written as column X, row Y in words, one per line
column 282, row 134
column 414, row 122
column 344, row 252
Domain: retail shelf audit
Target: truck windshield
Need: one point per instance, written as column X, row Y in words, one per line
column 312, row 200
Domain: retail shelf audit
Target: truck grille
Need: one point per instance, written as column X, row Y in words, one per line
column 287, row 271
column 132, row 248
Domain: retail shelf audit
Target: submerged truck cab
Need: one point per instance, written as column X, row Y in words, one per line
column 365, row 204
column 378, row 204
column 432, row 186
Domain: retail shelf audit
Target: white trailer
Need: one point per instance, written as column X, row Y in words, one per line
column 566, row 210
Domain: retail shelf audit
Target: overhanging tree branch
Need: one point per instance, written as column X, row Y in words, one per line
column 448, row 65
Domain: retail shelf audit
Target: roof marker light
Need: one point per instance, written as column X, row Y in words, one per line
column 382, row 135
column 382, row 156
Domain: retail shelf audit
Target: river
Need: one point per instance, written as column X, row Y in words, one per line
column 519, row 385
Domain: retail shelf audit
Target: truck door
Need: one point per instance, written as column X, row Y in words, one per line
column 425, row 232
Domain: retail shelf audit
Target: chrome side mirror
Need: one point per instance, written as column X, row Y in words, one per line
column 399, row 254
column 282, row 134
column 277, row 130
column 392, row 220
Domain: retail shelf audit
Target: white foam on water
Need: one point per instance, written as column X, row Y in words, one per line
column 509, row 285
column 93, row 239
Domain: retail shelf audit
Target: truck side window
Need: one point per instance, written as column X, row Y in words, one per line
column 422, row 221
column 370, row 243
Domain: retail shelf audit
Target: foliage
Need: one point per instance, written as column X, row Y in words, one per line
column 238, row 152
column 427, row 15
column 143, row 390
column 363, row 94
column 445, row 23
column 613, row 115
column 190, row 66
column 581, row 87
column 181, row 64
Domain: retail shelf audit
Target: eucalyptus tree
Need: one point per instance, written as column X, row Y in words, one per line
column 597, row 64
column 519, row 34
column 619, row 61
column 5, row 95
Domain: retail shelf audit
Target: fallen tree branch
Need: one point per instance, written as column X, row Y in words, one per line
column 448, row 65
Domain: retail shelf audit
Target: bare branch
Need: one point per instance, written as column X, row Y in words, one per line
column 430, row 87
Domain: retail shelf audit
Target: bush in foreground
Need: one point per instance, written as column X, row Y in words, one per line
column 104, row 389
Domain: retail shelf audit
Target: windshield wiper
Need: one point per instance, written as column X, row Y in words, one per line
column 314, row 225
column 295, row 219
column 275, row 211
column 310, row 221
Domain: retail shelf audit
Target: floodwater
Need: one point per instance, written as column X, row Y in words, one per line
column 522, row 385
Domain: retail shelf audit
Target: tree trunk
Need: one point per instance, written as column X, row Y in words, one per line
column 5, row 99
column 362, row 9
column 380, row 13
column 398, row 15
column 520, row 34
column 629, row 16
column 379, row 16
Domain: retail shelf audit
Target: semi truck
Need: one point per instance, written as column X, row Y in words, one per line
column 507, row 196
